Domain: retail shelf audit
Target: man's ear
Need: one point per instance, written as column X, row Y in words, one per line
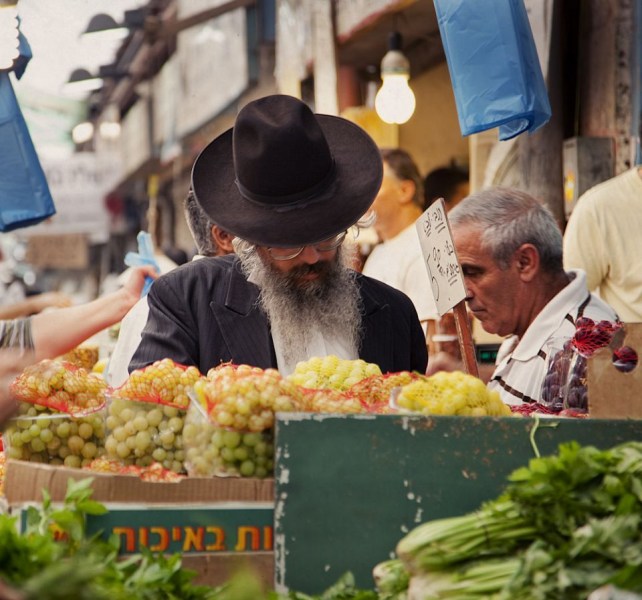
column 527, row 261
column 223, row 240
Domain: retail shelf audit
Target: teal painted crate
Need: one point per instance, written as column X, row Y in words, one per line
column 349, row 487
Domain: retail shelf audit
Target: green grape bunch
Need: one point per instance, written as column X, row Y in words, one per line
column 212, row 450
column 41, row 434
column 142, row 433
column 332, row 372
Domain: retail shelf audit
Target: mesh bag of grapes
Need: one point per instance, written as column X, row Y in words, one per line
column 331, row 401
column 155, row 472
column 42, row 434
column 332, row 372
column 60, row 386
column 564, row 386
column 146, row 415
column 375, row 392
column 329, row 382
column 229, row 424
column 60, row 415
column 454, row 393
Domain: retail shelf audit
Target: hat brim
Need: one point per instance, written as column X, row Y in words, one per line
column 359, row 172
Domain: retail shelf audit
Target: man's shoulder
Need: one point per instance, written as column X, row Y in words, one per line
column 380, row 291
column 603, row 194
column 204, row 269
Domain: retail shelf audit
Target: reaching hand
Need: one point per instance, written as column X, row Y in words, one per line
column 443, row 361
column 136, row 281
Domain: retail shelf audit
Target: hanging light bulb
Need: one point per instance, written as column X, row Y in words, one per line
column 395, row 101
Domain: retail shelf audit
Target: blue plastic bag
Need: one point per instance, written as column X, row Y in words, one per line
column 24, row 194
column 144, row 256
column 494, row 67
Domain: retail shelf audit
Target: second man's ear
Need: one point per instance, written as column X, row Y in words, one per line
column 527, row 259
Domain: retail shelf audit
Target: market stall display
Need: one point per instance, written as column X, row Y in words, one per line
column 384, row 436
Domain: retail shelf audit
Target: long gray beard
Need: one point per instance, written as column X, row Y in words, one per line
column 331, row 303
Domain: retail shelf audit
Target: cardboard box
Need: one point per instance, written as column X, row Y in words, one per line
column 219, row 524
column 613, row 394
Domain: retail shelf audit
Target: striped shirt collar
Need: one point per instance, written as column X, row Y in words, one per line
column 550, row 318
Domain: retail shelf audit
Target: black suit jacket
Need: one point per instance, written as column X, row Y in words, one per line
column 206, row 312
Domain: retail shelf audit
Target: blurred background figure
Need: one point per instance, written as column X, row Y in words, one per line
column 398, row 260
column 14, row 300
column 603, row 239
column 449, row 183
column 210, row 241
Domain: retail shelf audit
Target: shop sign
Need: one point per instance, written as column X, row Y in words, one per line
column 192, row 529
column 78, row 185
column 442, row 264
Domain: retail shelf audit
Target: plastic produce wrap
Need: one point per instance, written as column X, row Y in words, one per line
column 564, row 386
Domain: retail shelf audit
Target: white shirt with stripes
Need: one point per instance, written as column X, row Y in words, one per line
column 521, row 363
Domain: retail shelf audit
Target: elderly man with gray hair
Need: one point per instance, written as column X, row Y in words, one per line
column 510, row 251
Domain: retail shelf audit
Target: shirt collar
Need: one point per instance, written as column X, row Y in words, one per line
column 552, row 316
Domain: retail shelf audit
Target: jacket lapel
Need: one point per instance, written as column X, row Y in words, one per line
column 376, row 345
column 243, row 326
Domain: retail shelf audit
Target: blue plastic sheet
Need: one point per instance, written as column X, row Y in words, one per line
column 24, row 194
column 494, row 67
column 144, row 256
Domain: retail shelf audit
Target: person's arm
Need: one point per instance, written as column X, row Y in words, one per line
column 33, row 305
column 55, row 333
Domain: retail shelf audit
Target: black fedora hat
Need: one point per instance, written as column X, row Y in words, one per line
column 284, row 176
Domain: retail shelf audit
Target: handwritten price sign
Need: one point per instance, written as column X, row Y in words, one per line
column 441, row 260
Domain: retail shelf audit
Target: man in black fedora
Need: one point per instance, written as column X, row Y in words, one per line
column 289, row 184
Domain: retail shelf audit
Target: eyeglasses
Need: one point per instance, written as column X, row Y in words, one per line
column 323, row 246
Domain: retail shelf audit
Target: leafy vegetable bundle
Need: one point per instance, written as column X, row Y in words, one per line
column 54, row 559
column 565, row 525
